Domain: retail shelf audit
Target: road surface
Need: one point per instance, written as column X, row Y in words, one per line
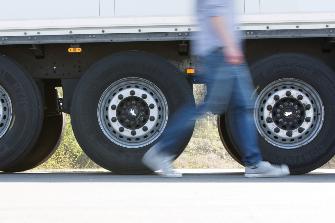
column 201, row 196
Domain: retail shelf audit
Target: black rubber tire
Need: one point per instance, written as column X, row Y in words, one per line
column 48, row 140
column 320, row 77
column 27, row 112
column 96, row 80
column 226, row 139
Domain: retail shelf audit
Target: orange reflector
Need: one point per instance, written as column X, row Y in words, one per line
column 190, row 71
column 74, row 50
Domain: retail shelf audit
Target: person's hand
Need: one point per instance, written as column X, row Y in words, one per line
column 233, row 55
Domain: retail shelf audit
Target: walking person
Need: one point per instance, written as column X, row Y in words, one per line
column 224, row 71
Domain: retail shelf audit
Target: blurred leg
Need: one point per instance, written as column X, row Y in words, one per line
column 242, row 103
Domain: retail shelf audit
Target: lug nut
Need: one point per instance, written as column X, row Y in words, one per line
column 301, row 130
column 281, row 120
column 269, row 108
column 308, row 119
column 288, row 93
column 151, row 106
column 133, row 133
column 277, row 130
column 289, row 133
column 113, row 107
column 300, row 97
column 308, row 107
column 152, row 118
column 114, row 119
column 276, row 97
column 281, row 106
column 269, row 120
column 145, row 128
column 132, row 92
column 121, row 129
column 144, row 96
column 120, row 96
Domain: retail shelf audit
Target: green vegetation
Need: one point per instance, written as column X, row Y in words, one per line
column 69, row 155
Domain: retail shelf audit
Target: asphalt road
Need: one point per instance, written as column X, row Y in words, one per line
column 200, row 196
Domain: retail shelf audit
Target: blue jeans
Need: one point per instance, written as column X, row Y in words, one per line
column 227, row 86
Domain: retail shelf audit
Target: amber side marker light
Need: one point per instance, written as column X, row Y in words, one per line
column 74, row 50
column 190, row 71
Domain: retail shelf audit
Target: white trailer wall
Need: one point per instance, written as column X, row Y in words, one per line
column 292, row 6
column 48, row 9
column 158, row 7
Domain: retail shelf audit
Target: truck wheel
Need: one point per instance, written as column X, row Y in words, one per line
column 49, row 139
column 293, row 113
column 21, row 113
column 122, row 105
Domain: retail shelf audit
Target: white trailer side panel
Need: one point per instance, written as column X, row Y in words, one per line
column 160, row 8
column 107, row 8
column 153, row 7
column 294, row 6
column 48, row 9
column 251, row 6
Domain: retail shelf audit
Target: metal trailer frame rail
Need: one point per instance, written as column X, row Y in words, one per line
column 129, row 29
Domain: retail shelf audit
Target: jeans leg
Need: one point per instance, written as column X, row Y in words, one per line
column 219, row 81
column 242, row 104
column 178, row 124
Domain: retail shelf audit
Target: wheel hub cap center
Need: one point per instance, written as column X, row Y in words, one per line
column 288, row 113
column 133, row 112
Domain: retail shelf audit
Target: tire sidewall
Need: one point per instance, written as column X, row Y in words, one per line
column 27, row 112
column 97, row 79
column 321, row 78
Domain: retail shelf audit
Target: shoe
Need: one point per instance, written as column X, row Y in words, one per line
column 266, row 169
column 161, row 164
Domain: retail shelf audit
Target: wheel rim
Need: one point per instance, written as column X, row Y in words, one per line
column 5, row 111
column 289, row 113
column 132, row 112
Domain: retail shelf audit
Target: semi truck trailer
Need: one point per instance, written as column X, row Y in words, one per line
column 125, row 68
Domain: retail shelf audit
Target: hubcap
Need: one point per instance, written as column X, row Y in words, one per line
column 289, row 113
column 5, row 111
column 132, row 112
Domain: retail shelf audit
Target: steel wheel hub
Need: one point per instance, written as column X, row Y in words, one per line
column 132, row 112
column 289, row 113
column 5, row 111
